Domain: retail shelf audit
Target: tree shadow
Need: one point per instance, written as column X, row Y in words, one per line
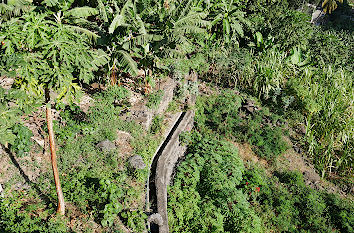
column 33, row 185
column 342, row 18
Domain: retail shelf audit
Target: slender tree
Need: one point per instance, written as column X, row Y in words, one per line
column 61, row 203
column 49, row 55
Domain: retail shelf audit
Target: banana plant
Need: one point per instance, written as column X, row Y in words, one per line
column 228, row 20
column 329, row 6
column 181, row 27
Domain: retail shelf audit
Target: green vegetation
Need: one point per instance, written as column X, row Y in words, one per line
column 266, row 74
column 223, row 113
column 214, row 192
column 22, row 143
column 154, row 99
column 285, row 203
column 97, row 183
column 204, row 196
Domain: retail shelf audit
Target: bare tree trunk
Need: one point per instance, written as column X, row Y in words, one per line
column 61, row 204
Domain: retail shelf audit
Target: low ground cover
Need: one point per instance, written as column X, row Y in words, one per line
column 213, row 184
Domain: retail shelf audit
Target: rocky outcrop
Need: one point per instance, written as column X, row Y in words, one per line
column 142, row 114
column 156, row 218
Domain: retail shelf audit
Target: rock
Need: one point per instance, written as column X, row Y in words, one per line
column 1, row 191
column 141, row 115
column 122, row 135
column 106, row 145
column 137, row 162
column 156, row 218
column 318, row 17
column 85, row 103
column 6, row 82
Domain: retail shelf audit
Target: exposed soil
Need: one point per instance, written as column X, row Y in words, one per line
column 292, row 161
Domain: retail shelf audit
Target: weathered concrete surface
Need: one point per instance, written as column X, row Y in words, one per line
column 141, row 115
column 173, row 118
column 167, row 86
column 165, row 165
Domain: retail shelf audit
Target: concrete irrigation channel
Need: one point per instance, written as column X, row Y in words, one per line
column 161, row 171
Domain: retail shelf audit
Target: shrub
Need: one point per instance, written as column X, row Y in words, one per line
column 222, row 114
column 204, row 196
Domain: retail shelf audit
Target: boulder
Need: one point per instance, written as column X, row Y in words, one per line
column 137, row 162
column 106, row 145
column 156, row 218
column 318, row 17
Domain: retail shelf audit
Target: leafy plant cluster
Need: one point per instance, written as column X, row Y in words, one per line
column 264, row 48
column 23, row 142
column 285, row 203
column 204, row 196
column 303, row 73
column 17, row 216
column 154, row 99
column 223, row 113
column 97, row 183
column 213, row 192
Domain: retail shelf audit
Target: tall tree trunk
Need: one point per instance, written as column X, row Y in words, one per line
column 61, row 204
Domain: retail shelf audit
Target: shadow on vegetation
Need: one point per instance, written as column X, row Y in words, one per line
column 33, row 185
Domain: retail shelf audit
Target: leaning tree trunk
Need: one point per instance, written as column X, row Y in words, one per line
column 61, row 204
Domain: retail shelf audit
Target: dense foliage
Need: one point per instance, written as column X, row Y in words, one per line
column 265, row 50
column 214, row 192
column 204, row 197
column 96, row 182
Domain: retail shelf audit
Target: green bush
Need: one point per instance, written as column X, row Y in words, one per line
column 156, row 125
column 204, row 196
column 222, row 114
column 17, row 215
column 285, row 203
column 154, row 99
column 23, row 142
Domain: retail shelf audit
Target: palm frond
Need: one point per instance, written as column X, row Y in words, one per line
column 82, row 12
column 102, row 10
column 126, row 62
column 91, row 35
